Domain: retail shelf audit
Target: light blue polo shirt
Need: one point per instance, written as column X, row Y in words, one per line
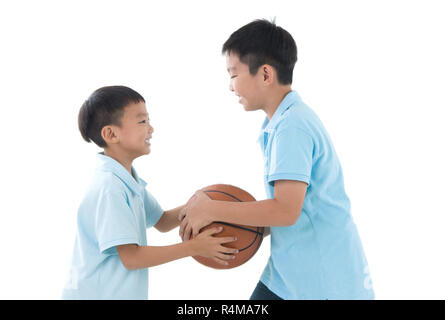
column 321, row 255
column 116, row 210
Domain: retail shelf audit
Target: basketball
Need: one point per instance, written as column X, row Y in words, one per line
column 248, row 238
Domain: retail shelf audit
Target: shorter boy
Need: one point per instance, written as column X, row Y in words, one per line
column 111, row 255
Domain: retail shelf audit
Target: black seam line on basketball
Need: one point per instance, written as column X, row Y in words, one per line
column 251, row 244
column 239, row 227
column 228, row 224
column 227, row 194
column 257, row 233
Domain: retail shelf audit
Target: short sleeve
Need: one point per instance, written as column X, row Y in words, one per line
column 153, row 210
column 291, row 155
column 115, row 222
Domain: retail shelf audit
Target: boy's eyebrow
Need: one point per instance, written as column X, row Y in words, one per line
column 142, row 114
column 231, row 69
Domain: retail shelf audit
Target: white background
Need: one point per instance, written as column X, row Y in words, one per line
column 373, row 71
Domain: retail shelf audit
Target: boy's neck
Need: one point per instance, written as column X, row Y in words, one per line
column 274, row 99
column 126, row 162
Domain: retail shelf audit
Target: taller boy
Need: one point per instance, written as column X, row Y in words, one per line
column 316, row 252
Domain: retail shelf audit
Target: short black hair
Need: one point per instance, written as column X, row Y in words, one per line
column 263, row 42
column 104, row 106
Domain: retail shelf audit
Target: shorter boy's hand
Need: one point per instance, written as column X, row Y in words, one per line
column 206, row 245
column 194, row 216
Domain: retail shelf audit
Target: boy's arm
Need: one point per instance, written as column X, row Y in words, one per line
column 205, row 244
column 136, row 257
column 283, row 210
column 169, row 219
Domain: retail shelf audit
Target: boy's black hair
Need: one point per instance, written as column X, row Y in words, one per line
column 105, row 106
column 263, row 42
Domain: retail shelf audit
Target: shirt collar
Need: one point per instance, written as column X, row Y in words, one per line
column 106, row 163
column 290, row 99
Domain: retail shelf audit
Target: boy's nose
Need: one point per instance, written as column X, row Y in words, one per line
column 150, row 129
column 231, row 87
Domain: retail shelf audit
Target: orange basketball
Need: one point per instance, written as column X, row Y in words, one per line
column 248, row 238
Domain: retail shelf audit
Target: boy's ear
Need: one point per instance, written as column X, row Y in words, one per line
column 109, row 134
column 268, row 74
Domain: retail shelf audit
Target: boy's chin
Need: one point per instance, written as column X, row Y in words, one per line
column 144, row 152
column 249, row 108
column 147, row 151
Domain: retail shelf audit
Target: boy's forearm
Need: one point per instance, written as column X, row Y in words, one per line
column 256, row 213
column 169, row 219
column 149, row 256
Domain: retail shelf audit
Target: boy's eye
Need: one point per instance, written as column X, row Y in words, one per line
column 232, row 77
column 144, row 121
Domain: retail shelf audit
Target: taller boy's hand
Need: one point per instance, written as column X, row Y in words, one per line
column 194, row 216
